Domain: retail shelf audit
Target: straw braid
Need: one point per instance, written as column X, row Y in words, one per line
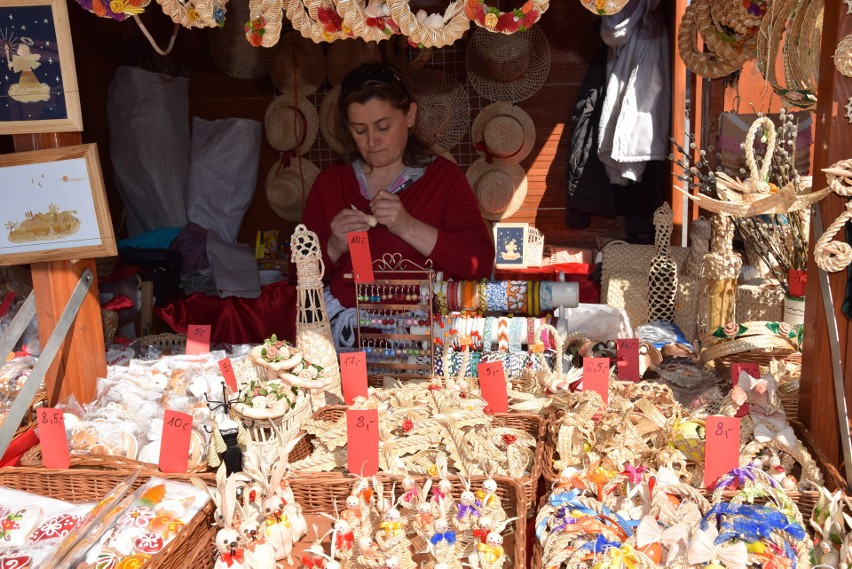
column 723, row 49
column 195, row 14
column 307, row 23
column 272, row 12
column 831, row 255
column 456, row 23
column 354, row 18
column 704, row 64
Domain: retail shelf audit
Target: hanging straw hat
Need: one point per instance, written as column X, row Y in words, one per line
column 443, row 108
column 287, row 188
column 346, row 55
column 299, row 66
column 328, row 121
column 503, row 133
column 232, row 54
column 508, row 68
column 291, row 124
column 500, row 188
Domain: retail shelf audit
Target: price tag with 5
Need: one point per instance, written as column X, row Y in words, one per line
column 492, row 383
column 198, row 339
column 596, row 376
column 51, row 433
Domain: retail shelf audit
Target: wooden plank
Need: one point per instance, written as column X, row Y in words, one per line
column 80, row 360
column 678, row 122
column 817, row 408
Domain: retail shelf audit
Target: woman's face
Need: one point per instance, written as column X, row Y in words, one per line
column 380, row 131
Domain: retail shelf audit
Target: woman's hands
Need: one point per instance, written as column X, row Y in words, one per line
column 389, row 211
column 346, row 221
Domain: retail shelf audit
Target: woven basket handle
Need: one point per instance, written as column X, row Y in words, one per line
column 761, row 174
column 559, row 342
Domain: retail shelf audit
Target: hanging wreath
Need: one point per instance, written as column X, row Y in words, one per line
column 493, row 20
column 196, row 13
column 264, row 26
column 370, row 22
column 430, row 30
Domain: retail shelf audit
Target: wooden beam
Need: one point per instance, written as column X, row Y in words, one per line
column 679, row 101
column 832, row 142
column 81, row 358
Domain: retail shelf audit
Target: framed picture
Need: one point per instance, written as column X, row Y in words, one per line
column 54, row 206
column 38, row 83
column 510, row 240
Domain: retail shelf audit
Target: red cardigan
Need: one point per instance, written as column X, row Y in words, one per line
column 442, row 197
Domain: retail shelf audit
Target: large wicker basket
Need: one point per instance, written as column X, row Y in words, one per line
column 532, row 424
column 90, row 485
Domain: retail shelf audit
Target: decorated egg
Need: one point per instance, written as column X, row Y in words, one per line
column 688, row 437
column 138, row 517
column 166, row 526
column 148, row 543
column 133, row 561
column 15, row 559
column 105, row 560
column 54, row 528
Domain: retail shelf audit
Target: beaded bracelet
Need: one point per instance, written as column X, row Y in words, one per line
column 459, row 295
column 483, row 300
column 516, row 333
column 503, row 334
column 495, row 294
column 515, row 296
column 530, row 331
column 546, row 296
column 487, row 331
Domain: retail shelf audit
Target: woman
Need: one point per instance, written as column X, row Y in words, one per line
column 423, row 205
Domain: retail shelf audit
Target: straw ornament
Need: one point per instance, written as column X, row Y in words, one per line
column 706, row 64
column 265, row 22
column 743, row 18
column 232, row 54
column 503, row 133
column 493, row 20
column 325, row 26
column 371, row 22
column 195, row 13
column 443, row 108
column 832, row 255
column 731, row 48
column 843, row 56
column 430, row 30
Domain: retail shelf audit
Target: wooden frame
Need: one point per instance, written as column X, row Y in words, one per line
column 41, row 93
column 510, row 245
column 54, row 206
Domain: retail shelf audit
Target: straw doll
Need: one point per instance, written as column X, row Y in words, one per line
column 490, row 503
column 229, row 543
column 369, row 556
column 443, row 544
column 491, row 555
column 467, row 510
column 442, row 491
column 392, row 540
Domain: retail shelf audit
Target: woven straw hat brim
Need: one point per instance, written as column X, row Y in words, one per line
column 284, row 125
column 299, row 66
column 287, row 188
column 509, row 138
column 486, row 49
column 443, row 108
column 346, row 55
column 232, row 53
column 328, row 121
column 485, row 194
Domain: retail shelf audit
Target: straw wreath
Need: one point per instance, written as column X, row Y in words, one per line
column 363, row 26
column 434, row 30
column 706, row 64
column 193, row 14
column 832, row 255
column 266, row 16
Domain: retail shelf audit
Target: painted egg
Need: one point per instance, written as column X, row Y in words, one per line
column 15, row 559
column 55, row 527
column 105, row 560
column 138, row 517
column 654, row 551
column 148, row 543
column 133, row 561
column 166, row 525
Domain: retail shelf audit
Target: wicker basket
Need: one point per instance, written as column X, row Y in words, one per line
column 532, row 424
column 89, row 485
column 760, row 302
column 33, row 458
column 167, row 343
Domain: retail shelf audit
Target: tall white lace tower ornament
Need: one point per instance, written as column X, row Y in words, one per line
column 313, row 332
column 662, row 275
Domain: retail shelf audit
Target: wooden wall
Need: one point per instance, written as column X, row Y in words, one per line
column 101, row 45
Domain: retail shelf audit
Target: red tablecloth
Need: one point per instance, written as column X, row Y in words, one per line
column 590, row 291
column 236, row 320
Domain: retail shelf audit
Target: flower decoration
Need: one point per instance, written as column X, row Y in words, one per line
column 730, row 330
column 407, row 425
column 267, row 395
column 494, row 20
column 331, row 22
column 117, row 10
column 254, row 34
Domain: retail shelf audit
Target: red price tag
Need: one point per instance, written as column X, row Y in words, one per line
column 721, row 448
column 750, row 368
column 492, row 384
column 227, row 369
column 51, row 433
column 353, row 375
column 198, row 339
column 627, row 350
column 596, row 376
column 362, row 262
column 362, row 433
column 7, row 303
column 174, row 448
column 797, row 282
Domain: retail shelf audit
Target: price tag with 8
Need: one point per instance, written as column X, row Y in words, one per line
column 721, row 448
column 362, row 433
column 51, row 434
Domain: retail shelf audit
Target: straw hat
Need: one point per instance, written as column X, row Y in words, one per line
column 346, row 55
column 299, row 66
column 328, row 121
column 232, row 54
column 287, row 188
column 508, row 68
column 503, row 133
column 291, row 124
column 443, row 108
column 500, row 188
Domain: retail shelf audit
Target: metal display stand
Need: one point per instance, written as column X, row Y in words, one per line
column 394, row 315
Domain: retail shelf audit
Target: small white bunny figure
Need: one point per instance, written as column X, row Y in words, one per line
column 490, row 503
column 467, row 509
column 491, row 554
column 228, row 542
column 259, row 553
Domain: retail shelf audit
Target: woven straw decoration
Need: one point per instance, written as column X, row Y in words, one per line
column 843, row 56
column 455, row 24
column 699, row 246
column 443, row 108
column 313, row 332
column 720, row 270
column 272, row 12
column 833, row 256
column 662, row 275
column 232, row 54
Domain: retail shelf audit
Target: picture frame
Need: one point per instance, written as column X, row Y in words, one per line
column 38, row 86
column 510, row 245
column 54, row 206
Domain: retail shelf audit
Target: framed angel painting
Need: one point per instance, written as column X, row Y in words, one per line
column 54, row 206
column 38, row 81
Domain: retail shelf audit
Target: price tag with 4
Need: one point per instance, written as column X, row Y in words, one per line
column 362, row 261
column 51, row 433
column 627, row 350
column 596, row 376
column 492, row 383
column 353, row 375
column 362, row 433
column 721, row 448
column 174, row 448
column 198, row 339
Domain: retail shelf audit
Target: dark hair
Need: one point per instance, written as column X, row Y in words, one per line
column 378, row 81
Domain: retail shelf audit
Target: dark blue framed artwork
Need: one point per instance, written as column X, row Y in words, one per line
column 510, row 245
column 38, row 82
